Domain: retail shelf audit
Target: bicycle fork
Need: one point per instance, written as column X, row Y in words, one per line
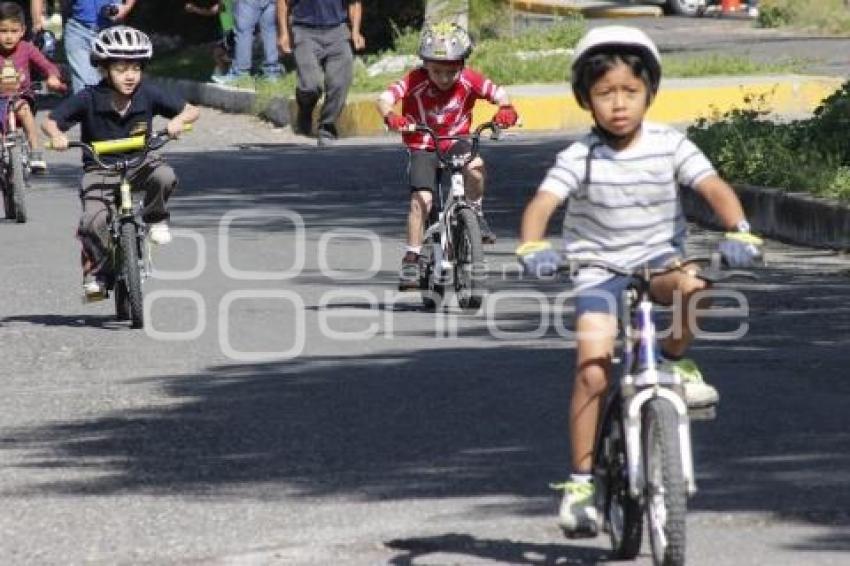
column 649, row 383
column 442, row 264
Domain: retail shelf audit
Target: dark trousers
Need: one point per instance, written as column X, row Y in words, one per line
column 153, row 176
column 323, row 58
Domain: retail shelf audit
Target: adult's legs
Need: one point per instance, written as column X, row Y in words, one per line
column 77, row 39
column 268, row 33
column 338, row 65
column 246, row 15
column 308, row 89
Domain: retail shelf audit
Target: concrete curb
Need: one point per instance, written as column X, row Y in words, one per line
column 229, row 99
column 798, row 218
column 552, row 107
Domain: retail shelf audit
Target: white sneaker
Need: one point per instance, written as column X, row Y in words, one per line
column 577, row 515
column 93, row 290
column 698, row 393
column 159, row 233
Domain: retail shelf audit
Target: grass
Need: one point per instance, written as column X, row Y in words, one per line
column 748, row 145
column 826, row 16
column 499, row 59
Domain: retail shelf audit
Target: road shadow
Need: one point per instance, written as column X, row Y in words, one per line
column 506, row 551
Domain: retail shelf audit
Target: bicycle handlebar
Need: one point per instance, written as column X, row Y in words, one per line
column 122, row 145
column 475, row 137
column 714, row 273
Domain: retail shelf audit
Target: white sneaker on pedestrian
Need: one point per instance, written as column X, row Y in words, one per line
column 577, row 515
column 159, row 233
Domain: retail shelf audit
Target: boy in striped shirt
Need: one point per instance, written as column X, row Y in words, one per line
column 622, row 182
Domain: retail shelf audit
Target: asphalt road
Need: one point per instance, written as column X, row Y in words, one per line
column 409, row 437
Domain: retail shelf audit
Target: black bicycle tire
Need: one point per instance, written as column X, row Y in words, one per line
column 18, row 182
column 625, row 541
column 131, row 274
column 432, row 294
column 468, row 233
column 8, row 203
column 122, row 300
column 661, row 436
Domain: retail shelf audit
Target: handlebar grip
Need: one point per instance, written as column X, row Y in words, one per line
column 122, row 145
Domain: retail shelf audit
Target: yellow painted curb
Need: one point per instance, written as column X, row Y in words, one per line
column 552, row 107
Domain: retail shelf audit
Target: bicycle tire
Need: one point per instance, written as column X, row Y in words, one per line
column 17, row 182
column 122, row 300
column 469, row 260
column 432, row 292
column 623, row 513
column 8, row 202
column 666, row 492
column 131, row 273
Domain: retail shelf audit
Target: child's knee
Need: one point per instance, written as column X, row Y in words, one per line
column 592, row 378
column 420, row 202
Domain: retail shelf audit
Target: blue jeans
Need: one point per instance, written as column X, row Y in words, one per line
column 247, row 14
column 78, row 40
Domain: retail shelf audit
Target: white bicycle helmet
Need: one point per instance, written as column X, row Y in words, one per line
column 445, row 41
column 619, row 39
column 121, row 43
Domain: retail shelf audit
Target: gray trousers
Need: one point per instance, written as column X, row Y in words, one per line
column 153, row 176
column 323, row 51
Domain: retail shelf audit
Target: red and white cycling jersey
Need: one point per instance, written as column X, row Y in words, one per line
column 447, row 112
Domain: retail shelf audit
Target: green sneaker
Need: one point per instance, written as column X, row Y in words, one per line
column 577, row 515
column 698, row 393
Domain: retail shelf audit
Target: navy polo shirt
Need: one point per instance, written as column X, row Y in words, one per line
column 92, row 109
column 319, row 13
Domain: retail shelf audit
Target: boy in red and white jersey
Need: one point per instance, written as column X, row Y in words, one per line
column 440, row 94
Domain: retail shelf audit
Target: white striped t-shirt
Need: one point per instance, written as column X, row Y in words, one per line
column 626, row 211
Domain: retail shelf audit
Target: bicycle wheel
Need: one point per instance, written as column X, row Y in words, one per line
column 17, row 182
column 122, row 300
column 130, row 274
column 8, row 202
column 666, row 492
column 432, row 291
column 469, row 260
column 623, row 513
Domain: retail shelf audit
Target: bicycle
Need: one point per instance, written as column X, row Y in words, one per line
column 14, row 161
column 129, row 252
column 452, row 252
column 643, row 461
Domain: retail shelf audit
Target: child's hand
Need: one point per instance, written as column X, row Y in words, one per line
column 740, row 249
column 59, row 142
column 55, row 83
column 175, row 127
column 395, row 122
column 506, row 116
column 538, row 259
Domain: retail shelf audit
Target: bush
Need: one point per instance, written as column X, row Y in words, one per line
column 813, row 155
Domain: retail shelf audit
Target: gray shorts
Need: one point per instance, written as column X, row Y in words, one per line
column 422, row 170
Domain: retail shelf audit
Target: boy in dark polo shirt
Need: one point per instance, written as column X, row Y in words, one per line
column 122, row 105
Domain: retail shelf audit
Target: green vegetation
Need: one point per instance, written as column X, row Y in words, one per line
column 506, row 61
column 827, row 16
column 813, row 155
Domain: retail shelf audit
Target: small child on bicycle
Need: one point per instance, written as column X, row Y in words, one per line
column 122, row 105
column 622, row 182
column 440, row 94
column 17, row 60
